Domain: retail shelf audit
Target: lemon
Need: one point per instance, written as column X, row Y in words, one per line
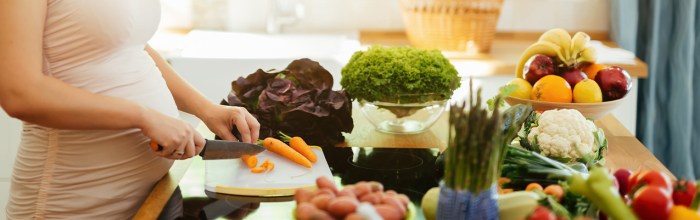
column 587, row 91
column 524, row 88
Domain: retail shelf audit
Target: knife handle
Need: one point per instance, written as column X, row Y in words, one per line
column 156, row 147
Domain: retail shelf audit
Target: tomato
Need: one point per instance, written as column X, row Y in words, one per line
column 542, row 213
column 652, row 202
column 632, row 181
column 684, row 192
column 652, row 178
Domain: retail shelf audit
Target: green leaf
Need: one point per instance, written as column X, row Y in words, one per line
column 504, row 91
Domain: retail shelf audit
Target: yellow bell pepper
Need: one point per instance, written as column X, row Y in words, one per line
column 679, row 212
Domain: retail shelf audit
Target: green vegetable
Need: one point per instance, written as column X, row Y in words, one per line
column 476, row 146
column 513, row 119
column 598, row 188
column 523, row 167
column 399, row 75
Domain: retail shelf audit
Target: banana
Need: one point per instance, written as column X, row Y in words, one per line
column 559, row 37
column 517, row 205
column 588, row 54
column 578, row 43
column 541, row 47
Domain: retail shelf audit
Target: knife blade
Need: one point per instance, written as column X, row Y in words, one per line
column 220, row 149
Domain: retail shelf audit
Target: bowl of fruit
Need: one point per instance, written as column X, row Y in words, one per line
column 560, row 72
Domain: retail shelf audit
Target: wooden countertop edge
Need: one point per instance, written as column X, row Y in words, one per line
column 159, row 196
column 629, row 153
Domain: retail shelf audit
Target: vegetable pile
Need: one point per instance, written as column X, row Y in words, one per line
column 398, row 74
column 297, row 100
column 363, row 200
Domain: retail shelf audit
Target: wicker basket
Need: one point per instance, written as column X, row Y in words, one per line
column 451, row 25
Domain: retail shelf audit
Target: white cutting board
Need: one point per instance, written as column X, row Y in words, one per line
column 234, row 177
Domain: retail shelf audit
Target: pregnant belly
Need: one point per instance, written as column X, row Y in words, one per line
column 129, row 74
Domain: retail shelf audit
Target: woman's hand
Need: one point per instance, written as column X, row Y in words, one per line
column 220, row 119
column 178, row 139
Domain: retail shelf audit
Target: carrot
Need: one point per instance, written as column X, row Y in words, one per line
column 257, row 169
column 300, row 146
column 554, row 190
column 533, row 186
column 251, row 161
column 284, row 150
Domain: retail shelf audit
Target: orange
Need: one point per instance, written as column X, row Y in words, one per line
column 587, row 91
column 524, row 88
column 551, row 88
column 592, row 69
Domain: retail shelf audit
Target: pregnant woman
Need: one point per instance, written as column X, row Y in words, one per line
column 92, row 94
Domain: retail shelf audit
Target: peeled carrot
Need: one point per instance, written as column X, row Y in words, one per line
column 299, row 145
column 250, row 161
column 284, row 150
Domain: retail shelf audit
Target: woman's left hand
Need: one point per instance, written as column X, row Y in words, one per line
column 220, row 119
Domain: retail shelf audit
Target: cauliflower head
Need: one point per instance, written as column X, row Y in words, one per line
column 564, row 133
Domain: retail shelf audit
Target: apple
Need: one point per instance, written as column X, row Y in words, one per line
column 539, row 67
column 573, row 76
column 614, row 82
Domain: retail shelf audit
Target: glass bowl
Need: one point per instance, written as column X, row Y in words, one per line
column 402, row 118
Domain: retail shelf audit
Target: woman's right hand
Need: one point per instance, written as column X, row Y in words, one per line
column 178, row 139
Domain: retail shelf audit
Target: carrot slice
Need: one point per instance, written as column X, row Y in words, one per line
column 250, row 161
column 257, row 169
column 279, row 147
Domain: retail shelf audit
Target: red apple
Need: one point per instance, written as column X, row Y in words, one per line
column 614, row 82
column 539, row 67
column 573, row 76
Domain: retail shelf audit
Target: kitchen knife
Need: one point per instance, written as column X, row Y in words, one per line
column 219, row 149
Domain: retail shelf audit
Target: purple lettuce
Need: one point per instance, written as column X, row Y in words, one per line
column 297, row 101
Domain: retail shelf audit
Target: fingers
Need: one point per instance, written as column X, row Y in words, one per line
column 242, row 125
column 254, row 126
column 190, row 148
column 199, row 143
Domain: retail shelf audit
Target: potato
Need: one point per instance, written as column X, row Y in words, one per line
column 388, row 212
column 376, row 186
column 404, row 199
column 354, row 216
column 321, row 215
column 321, row 201
column 361, row 189
column 305, row 210
column 326, row 183
column 324, row 191
column 347, row 191
column 342, row 206
column 394, row 202
column 372, row 198
column 391, row 192
column 303, row 195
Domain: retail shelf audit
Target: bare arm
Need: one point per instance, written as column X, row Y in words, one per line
column 219, row 119
column 27, row 94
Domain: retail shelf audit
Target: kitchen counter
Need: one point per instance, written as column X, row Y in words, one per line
column 625, row 151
